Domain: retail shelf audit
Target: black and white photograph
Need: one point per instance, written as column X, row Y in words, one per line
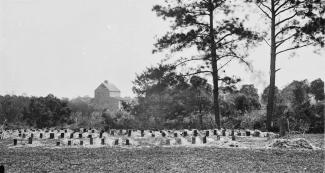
column 162, row 86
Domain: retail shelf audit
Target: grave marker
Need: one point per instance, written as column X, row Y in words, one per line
column 62, row 135
column 248, row 133
column 2, row 169
column 224, row 132
column 256, row 134
column 91, row 141
column 195, row 133
column 204, row 139
column 168, row 142
column 15, row 141
column 51, row 135
column 81, row 142
column 57, row 143
column 103, row 141
column 69, row 143
column 207, row 133
column 30, row 140
column 116, row 142
column 193, row 140
column 185, row 133
column 127, row 142
column 41, row 135
column 178, row 141
column 233, row 137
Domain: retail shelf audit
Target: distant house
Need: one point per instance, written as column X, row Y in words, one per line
column 107, row 96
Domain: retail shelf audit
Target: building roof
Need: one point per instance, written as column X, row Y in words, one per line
column 110, row 86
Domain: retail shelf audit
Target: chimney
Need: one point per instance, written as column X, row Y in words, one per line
column 106, row 81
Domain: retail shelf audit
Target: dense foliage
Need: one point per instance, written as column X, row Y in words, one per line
column 168, row 99
column 36, row 112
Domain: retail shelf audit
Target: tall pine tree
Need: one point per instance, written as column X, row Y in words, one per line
column 293, row 24
column 208, row 26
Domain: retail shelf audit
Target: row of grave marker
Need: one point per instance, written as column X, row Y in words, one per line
column 184, row 134
column 116, row 142
column 91, row 142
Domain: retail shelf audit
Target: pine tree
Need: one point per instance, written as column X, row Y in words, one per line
column 210, row 27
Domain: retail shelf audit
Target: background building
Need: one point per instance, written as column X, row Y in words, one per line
column 107, row 96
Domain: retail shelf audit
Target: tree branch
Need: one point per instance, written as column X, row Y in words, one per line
column 225, row 43
column 222, row 38
column 266, row 6
column 241, row 58
column 277, row 44
column 202, row 24
column 285, row 19
column 267, row 15
column 293, row 6
column 224, row 56
column 188, row 60
column 276, row 2
column 198, row 72
column 266, row 42
column 225, row 64
column 280, row 6
column 292, row 48
column 285, row 29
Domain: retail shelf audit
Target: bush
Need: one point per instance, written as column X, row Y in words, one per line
column 254, row 120
column 119, row 120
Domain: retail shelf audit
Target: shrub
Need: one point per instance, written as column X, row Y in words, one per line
column 119, row 120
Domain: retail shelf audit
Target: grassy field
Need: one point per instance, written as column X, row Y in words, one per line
column 162, row 159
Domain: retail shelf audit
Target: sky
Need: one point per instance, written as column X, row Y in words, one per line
column 68, row 47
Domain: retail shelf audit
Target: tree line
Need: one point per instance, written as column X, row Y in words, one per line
column 37, row 112
column 169, row 99
column 220, row 35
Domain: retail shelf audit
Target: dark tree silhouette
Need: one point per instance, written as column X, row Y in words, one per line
column 298, row 22
column 317, row 88
column 219, row 40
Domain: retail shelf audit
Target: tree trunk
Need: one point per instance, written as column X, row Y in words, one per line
column 270, row 101
column 201, row 120
column 214, row 68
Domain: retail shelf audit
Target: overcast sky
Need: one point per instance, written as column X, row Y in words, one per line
column 68, row 47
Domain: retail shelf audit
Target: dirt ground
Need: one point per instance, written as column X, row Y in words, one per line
column 163, row 159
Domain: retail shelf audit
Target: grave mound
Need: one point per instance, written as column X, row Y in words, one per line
column 297, row 143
